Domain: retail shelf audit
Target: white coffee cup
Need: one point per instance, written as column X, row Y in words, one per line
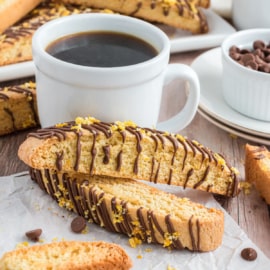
column 247, row 14
column 65, row 90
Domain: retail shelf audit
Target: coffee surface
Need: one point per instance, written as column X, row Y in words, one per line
column 101, row 49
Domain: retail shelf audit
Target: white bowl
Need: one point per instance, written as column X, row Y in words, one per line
column 246, row 90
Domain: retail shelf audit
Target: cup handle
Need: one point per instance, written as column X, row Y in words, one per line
column 185, row 116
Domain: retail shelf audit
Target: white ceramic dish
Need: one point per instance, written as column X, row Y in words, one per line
column 233, row 131
column 180, row 41
column 209, row 69
column 245, row 89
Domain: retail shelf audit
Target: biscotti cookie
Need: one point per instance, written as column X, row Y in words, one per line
column 125, row 150
column 67, row 255
column 133, row 208
column 18, row 107
column 16, row 41
column 257, row 169
column 12, row 11
column 180, row 14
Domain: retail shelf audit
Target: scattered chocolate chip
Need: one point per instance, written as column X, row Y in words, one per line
column 34, row 235
column 249, row 254
column 258, row 58
column 78, row 224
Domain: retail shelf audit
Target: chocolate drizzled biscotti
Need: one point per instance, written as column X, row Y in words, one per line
column 67, row 255
column 16, row 41
column 18, row 107
column 257, row 169
column 186, row 15
column 144, row 213
column 125, row 150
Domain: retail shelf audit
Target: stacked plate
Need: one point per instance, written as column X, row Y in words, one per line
column 213, row 107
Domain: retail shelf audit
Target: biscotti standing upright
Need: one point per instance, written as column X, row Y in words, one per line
column 18, row 107
column 131, row 207
column 257, row 169
column 67, row 255
column 125, row 150
column 185, row 15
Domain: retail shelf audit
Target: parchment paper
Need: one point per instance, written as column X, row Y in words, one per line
column 24, row 206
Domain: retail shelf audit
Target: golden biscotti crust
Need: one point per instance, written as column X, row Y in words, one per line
column 18, row 107
column 122, row 149
column 12, row 11
column 16, row 41
column 67, row 255
column 131, row 207
column 257, row 169
column 186, row 15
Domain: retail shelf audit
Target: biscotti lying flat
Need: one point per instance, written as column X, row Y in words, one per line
column 18, row 107
column 257, row 169
column 133, row 208
column 16, row 41
column 122, row 149
column 180, row 14
column 12, row 11
column 67, row 255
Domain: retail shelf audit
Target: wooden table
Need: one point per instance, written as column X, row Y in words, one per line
column 249, row 211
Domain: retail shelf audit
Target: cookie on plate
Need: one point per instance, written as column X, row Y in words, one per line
column 186, row 15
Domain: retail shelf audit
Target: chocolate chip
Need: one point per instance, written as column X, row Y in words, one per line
column 249, row 254
column 258, row 58
column 258, row 44
column 252, row 65
column 267, row 59
column 248, row 57
column 78, row 224
column 34, row 235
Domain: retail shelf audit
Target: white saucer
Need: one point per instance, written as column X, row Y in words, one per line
column 208, row 66
column 233, row 131
column 17, row 71
column 182, row 41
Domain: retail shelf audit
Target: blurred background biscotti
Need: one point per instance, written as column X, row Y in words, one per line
column 12, row 11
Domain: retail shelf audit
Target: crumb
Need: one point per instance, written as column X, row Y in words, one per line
column 246, row 187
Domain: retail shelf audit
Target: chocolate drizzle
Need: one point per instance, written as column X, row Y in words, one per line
column 93, row 153
column 195, row 244
column 90, row 201
column 25, row 90
column 176, row 243
column 78, row 153
column 106, row 150
column 160, row 144
column 190, row 172
column 59, row 160
column 203, row 178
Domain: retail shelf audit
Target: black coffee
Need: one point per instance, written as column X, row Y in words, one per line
column 102, row 49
